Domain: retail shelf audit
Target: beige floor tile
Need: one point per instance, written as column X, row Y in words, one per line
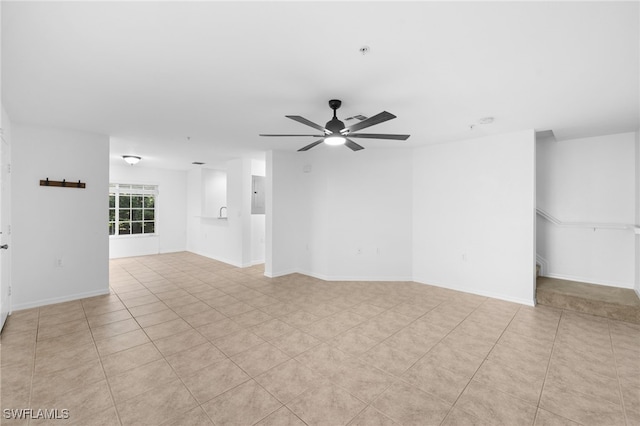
column 245, row 404
column 155, row 318
column 179, row 342
column 251, row 318
column 515, row 382
column 300, row 318
column 128, row 359
column 541, row 348
column 271, row 329
column 51, row 362
column 166, row 329
column 207, row 316
column 114, row 329
column 432, row 378
column 82, row 402
column 219, row 329
column 458, row 417
column 567, row 355
column 196, row 358
column 138, row 380
column 413, row 342
column 372, row 417
column 545, row 418
column 61, row 381
column 191, row 308
column 367, row 310
column 295, row 342
column 195, row 417
column 181, row 301
column 324, row 359
column 17, row 356
column 108, row 318
column 576, row 378
column 148, row 309
column 326, row 405
column 215, row 379
column 153, row 407
column 279, row 309
column 121, row 342
column 61, row 308
column 630, row 393
column 234, row 309
column 259, row 359
column 50, row 331
column 495, row 406
column 460, row 362
column 237, row 342
column 288, row 380
column 408, row 405
column 389, row 359
column 64, row 342
column 529, row 363
column 580, row 408
column 362, row 380
column 281, row 417
column 140, row 301
column 407, row 348
column 353, row 342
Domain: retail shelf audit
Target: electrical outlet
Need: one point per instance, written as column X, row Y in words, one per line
column 359, row 250
column 59, row 263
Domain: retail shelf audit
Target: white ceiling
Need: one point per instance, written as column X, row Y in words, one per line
column 152, row 74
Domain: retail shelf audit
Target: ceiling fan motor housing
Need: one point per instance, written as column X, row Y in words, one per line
column 334, row 125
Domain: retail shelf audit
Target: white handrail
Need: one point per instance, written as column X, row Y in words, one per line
column 590, row 225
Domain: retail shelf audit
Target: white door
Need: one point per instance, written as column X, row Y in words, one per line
column 5, row 228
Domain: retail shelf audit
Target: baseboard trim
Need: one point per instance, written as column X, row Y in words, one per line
column 490, row 294
column 589, row 281
column 53, row 300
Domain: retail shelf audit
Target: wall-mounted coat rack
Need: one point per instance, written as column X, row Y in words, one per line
column 63, row 183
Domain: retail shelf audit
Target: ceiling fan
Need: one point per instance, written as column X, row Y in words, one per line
column 335, row 132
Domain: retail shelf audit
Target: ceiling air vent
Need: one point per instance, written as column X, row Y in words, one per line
column 198, row 163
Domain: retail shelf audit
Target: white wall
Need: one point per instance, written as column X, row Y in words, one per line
column 340, row 215
column 171, row 212
column 637, row 260
column 474, row 216
column 283, row 216
column 589, row 180
column 58, row 224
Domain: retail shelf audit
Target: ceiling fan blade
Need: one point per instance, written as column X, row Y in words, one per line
column 376, row 119
column 313, row 136
column 311, row 145
column 354, row 146
column 379, row 136
column 308, row 123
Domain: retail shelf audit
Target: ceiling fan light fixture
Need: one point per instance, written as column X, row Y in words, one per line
column 131, row 159
column 334, row 140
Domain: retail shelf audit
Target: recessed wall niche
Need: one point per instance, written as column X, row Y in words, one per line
column 214, row 193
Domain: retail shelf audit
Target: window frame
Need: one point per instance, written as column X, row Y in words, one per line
column 119, row 189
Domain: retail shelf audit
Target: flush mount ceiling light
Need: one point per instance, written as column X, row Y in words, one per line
column 131, row 159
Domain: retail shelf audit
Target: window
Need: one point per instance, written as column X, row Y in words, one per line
column 132, row 209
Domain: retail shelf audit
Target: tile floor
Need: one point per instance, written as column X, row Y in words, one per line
column 185, row 340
